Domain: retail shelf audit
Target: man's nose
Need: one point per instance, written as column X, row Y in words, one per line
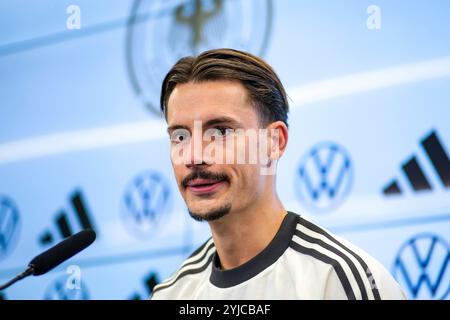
column 196, row 154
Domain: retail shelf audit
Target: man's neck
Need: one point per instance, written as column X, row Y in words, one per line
column 241, row 235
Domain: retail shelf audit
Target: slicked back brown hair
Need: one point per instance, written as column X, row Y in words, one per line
column 264, row 88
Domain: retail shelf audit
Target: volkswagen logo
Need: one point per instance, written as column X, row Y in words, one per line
column 160, row 32
column 422, row 266
column 324, row 177
column 145, row 203
column 60, row 289
column 9, row 225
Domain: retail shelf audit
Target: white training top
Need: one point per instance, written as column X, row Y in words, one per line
column 303, row 261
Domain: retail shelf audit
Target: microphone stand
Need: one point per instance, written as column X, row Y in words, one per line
column 24, row 274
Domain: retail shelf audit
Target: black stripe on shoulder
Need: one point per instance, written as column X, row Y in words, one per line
column 197, row 251
column 337, row 267
column 339, row 253
column 200, row 248
column 185, row 273
column 176, row 274
column 363, row 264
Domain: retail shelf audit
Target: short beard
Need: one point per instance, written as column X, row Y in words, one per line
column 212, row 215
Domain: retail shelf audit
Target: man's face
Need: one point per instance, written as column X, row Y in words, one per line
column 212, row 187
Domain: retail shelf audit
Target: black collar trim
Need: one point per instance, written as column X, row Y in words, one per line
column 275, row 249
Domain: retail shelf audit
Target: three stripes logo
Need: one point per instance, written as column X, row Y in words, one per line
column 9, row 225
column 414, row 173
column 64, row 222
column 150, row 281
column 325, row 176
column 422, row 266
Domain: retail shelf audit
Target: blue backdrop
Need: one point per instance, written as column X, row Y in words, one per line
column 82, row 145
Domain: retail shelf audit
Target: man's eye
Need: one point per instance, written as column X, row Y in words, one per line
column 179, row 135
column 222, row 131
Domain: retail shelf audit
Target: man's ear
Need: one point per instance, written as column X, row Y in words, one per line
column 278, row 137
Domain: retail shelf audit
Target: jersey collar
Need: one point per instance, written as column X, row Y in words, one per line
column 275, row 249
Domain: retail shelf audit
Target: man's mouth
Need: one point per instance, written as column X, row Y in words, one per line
column 204, row 186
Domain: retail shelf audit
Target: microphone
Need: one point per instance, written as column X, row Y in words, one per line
column 56, row 255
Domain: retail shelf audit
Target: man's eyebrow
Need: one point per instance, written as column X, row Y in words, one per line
column 175, row 127
column 222, row 120
column 209, row 123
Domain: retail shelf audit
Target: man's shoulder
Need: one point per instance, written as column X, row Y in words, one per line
column 193, row 266
column 356, row 272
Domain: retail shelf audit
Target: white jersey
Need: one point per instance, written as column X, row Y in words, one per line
column 303, row 261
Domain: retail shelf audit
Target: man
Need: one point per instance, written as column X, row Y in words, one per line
column 224, row 109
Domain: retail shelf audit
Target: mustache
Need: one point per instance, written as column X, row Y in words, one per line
column 204, row 175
